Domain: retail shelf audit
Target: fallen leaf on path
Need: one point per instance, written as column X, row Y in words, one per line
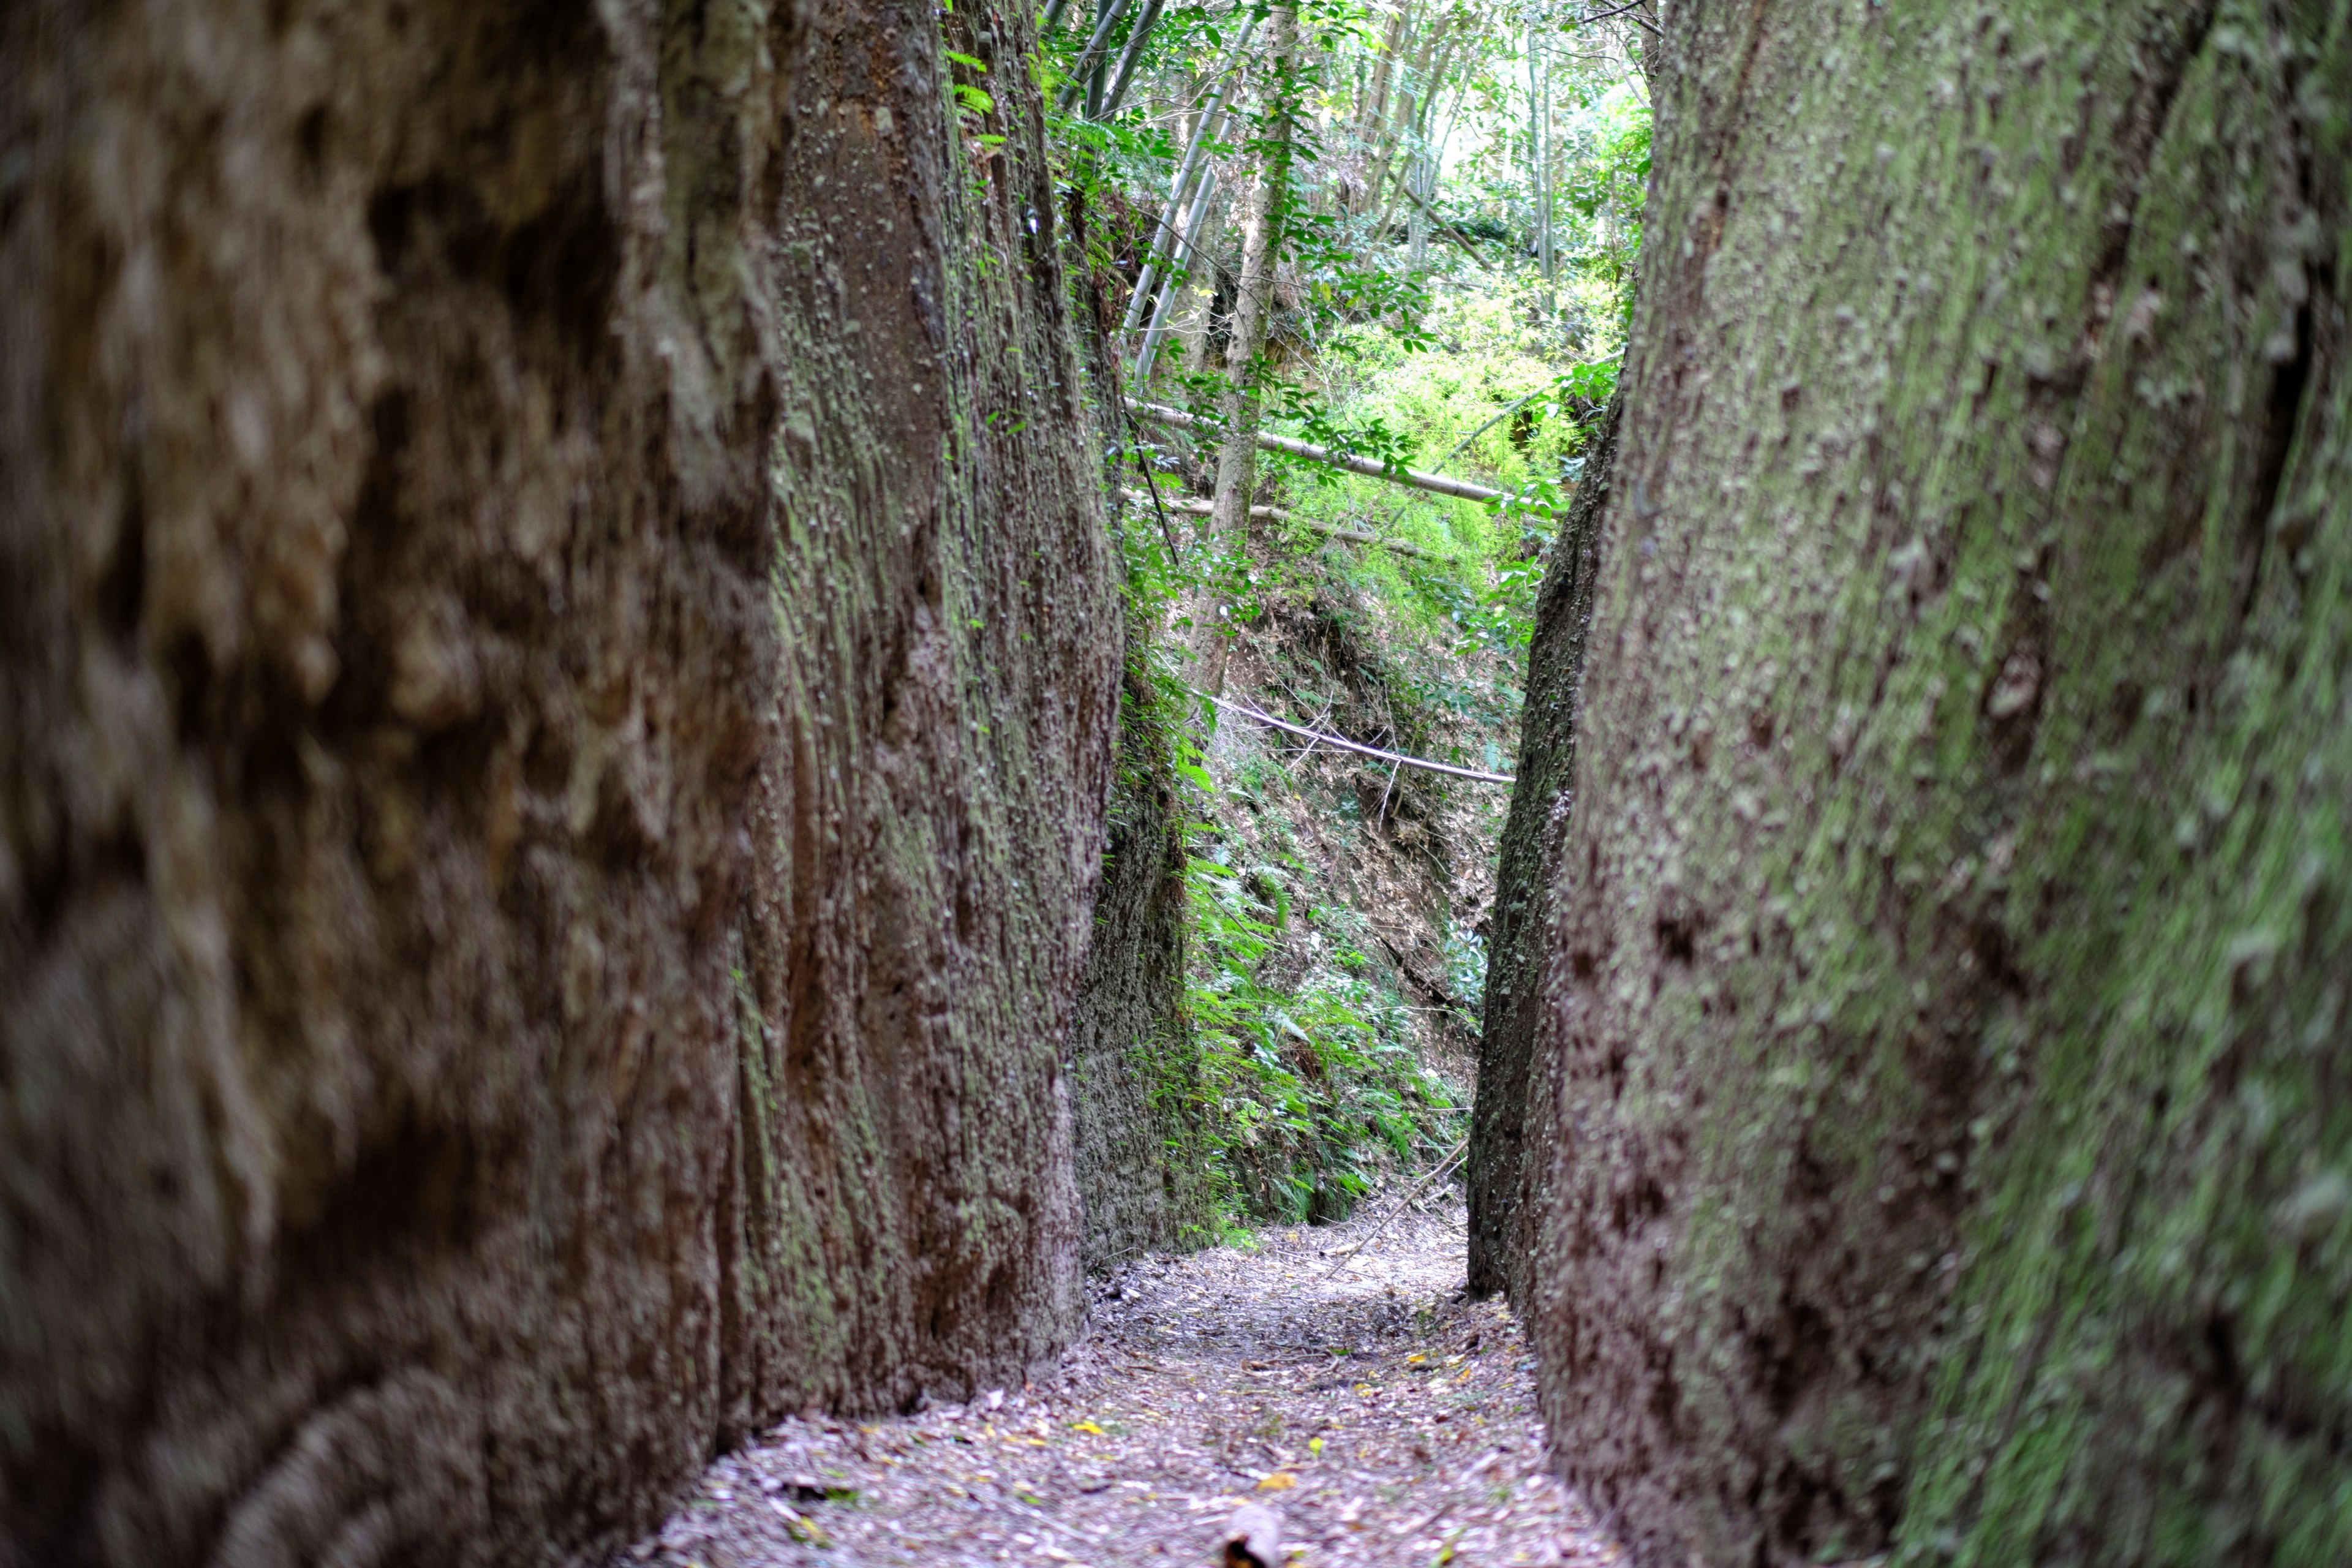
column 1193, row 1372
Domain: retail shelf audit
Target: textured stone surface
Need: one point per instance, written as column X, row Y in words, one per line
column 1940, row 1130
column 1142, row 1169
column 552, row 751
column 1525, row 872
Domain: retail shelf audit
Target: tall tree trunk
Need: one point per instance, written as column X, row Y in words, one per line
column 552, row 734
column 1269, row 201
column 1938, row 1127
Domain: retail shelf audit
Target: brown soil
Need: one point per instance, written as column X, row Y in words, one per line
column 1385, row 1420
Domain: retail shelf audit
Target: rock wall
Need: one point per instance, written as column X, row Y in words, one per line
column 560, row 656
column 1940, row 1135
column 1526, row 873
column 1134, row 1063
column 1141, row 1170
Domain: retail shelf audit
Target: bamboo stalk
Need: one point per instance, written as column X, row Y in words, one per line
column 1164, row 307
column 1194, row 507
column 1371, row 468
column 1091, row 55
column 1211, row 123
column 1124, row 72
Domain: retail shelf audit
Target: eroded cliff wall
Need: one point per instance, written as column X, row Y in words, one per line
column 1941, row 1134
column 1143, row 1164
column 559, row 685
column 1527, row 875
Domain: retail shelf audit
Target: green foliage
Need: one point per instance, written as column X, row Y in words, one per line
column 1299, row 1083
column 1465, row 956
column 1607, row 176
column 1312, row 1082
column 1412, row 331
column 1311, row 422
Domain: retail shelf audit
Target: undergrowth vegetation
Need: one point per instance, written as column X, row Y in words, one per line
column 1450, row 293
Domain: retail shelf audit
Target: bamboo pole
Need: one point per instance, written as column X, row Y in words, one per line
column 1124, row 72
column 1212, row 121
column 1194, row 507
column 1164, row 307
column 1371, row 468
column 1090, row 58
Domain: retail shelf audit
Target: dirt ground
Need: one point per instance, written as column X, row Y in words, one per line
column 1381, row 1419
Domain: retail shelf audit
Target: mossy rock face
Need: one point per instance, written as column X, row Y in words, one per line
column 1144, row 1171
column 1940, row 1134
column 1517, row 971
column 553, row 745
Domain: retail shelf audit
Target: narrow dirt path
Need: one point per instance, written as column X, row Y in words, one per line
column 1382, row 1419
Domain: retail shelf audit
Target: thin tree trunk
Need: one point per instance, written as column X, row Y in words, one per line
column 1276, row 514
column 1411, row 130
column 1416, row 222
column 1087, row 71
column 1253, row 306
column 1139, row 39
column 1371, row 468
column 1179, row 273
column 1372, row 105
column 1412, row 95
column 1424, row 199
column 1540, row 159
column 1200, row 320
column 1204, row 130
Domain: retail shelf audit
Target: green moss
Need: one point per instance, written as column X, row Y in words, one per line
column 1954, row 918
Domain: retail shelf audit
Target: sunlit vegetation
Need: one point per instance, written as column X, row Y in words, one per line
column 1456, row 194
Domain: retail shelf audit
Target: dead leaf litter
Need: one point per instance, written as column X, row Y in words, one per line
column 1384, row 1419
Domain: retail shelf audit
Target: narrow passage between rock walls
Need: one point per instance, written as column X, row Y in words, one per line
column 1379, row 1415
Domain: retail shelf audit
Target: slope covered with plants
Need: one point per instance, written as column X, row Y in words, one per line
column 1404, row 234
